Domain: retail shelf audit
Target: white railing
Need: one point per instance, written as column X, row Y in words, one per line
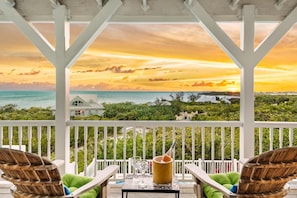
column 213, row 142
column 35, row 134
column 152, row 138
column 275, row 135
column 219, row 165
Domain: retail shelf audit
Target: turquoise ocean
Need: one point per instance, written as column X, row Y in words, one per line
column 44, row 99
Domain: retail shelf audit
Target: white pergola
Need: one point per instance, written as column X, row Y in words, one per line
column 99, row 13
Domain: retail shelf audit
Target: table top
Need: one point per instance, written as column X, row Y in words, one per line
column 131, row 186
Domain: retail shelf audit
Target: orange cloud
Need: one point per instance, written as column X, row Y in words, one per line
column 225, row 83
column 203, row 84
column 32, row 72
column 159, row 79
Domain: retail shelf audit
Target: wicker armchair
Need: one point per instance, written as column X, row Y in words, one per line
column 35, row 176
column 262, row 176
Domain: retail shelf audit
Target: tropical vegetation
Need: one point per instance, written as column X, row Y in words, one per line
column 267, row 108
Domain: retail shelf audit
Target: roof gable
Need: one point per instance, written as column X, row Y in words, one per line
column 78, row 101
column 84, row 100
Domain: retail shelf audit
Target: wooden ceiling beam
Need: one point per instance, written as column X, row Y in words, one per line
column 145, row 5
column 279, row 4
column 55, row 3
column 234, row 4
column 100, row 3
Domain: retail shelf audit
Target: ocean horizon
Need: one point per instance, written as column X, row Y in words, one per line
column 25, row 99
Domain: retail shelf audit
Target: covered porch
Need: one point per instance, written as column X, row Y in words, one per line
column 62, row 132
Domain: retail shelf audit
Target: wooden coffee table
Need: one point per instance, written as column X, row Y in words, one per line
column 131, row 186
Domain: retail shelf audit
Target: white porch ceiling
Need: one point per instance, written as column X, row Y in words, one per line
column 142, row 11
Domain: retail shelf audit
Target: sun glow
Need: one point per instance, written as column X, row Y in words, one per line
column 233, row 89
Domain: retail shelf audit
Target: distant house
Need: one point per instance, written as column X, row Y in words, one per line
column 217, row 98
column 84, row 105
column 186, row 115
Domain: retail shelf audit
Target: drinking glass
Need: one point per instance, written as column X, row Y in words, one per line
column 143, row 167
column 135, row 165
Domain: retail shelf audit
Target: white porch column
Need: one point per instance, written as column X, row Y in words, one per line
column 247, row 113
column 246, row 59
column 65, row 57
column 251, row 58
column 243, row 57
column 62, row 136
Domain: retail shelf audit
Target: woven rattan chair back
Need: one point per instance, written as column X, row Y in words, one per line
column 266, row 175
column 30, row 173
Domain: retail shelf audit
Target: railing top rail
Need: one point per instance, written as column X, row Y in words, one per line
column 148, row 123
column 26, row 122
column 154, row 123
column 275, row 124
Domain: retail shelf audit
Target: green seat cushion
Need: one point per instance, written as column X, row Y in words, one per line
column 228, row 180
column 73, row 182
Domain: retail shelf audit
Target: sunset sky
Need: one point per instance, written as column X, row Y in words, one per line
column 147, row 57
